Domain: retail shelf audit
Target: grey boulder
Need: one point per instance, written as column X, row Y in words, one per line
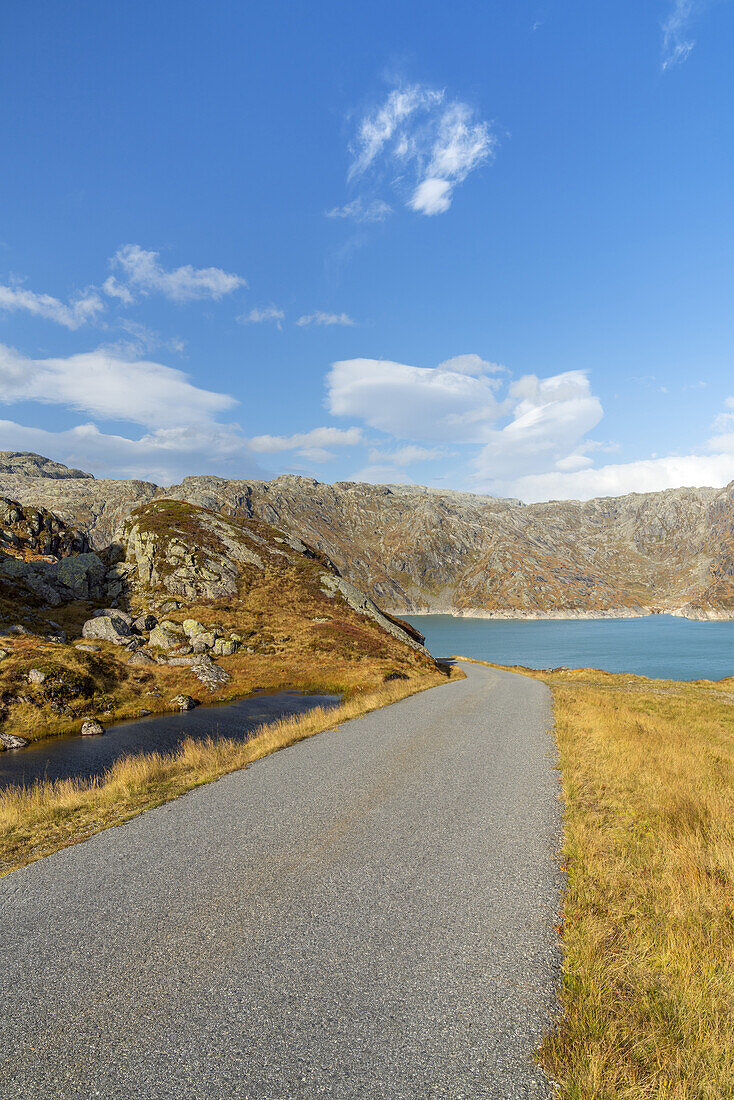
column 92, row 728
column 108, row 628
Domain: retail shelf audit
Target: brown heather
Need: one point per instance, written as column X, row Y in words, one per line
column 648, row 921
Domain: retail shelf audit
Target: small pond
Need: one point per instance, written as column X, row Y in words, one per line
column 86, row 757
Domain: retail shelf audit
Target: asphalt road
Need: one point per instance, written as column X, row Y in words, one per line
column 368, row 914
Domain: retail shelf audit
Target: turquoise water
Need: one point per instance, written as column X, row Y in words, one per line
column 659, row 646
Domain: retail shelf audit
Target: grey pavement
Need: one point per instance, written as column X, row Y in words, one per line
column 367, row 914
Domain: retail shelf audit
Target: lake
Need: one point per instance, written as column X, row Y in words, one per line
column 85, row 757
column 660, row 646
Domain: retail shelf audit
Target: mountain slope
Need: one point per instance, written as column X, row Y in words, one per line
column 189, row 606
column 417, row 549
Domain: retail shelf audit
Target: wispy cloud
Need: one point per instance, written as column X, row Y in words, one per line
column 424, row 144
column 142, row 273
column 362, row 210
column 72, row 315
column 311, row 446
column 321, row 318
column 261, row 315
column 677, row 43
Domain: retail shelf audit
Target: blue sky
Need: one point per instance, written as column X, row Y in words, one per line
column 477, row 246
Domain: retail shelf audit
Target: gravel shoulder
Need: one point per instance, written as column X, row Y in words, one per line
column 366, row 914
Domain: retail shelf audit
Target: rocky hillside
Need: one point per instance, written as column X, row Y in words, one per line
column 417, row 549
column 188, row 606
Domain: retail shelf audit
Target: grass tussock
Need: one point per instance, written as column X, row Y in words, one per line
column 648, row 921
column 41, row 819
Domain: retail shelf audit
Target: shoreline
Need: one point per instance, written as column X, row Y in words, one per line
column 693, row 615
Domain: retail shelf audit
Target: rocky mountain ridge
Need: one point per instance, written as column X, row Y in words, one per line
column 416, row 549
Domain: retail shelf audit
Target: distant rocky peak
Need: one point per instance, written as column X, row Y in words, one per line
column 28, row 464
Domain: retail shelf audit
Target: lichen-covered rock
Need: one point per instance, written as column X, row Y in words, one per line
column 364, row 605
column 210, row 674
column 225, row 647
column 145, row 622
column 12, row 741
column 163, row 638
column 83, row 575
column 91, row 728
column 193, row 627
column 140, row 659
column 184, row 702
column 204, row 641
column 36, row 676
column 107, row 628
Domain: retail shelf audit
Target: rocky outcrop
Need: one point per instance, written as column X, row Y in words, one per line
column 28, row 533
column 28, row 464
column 186, row 599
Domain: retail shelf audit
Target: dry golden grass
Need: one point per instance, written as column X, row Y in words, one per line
column 648, row 922
column 49, row 816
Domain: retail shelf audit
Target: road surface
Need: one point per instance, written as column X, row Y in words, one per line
column 367, row 914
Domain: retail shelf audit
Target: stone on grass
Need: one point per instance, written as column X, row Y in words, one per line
column 184, row 702
column 108, row 628
column 192, row 627
column 92, row 728
column 87, row 648
column 204, row 641
column 139, row 659
column 36, row 676
column 3, row 654
column 145, row 622
column 224, row 647
column 210, row 673
column 164, row 638
column 102, row 611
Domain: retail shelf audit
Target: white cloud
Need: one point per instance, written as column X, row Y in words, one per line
column 677, row 43
column 432, row 196
column 725, row 419
column 418, row 403
column 321, row 318
column 143, row 273
column 406, row 456
column 72, row 315
column 258, row 315
column 164, row 456
column 115, row 289
column 470, row 364
column 362, row 210
column 424, row 144
column 380, row 127
column 649, row 475
column 460, row 145
column 180, row 432
column 550, row 417
column 382, row 475
column 311, row 446
column 106, row 384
